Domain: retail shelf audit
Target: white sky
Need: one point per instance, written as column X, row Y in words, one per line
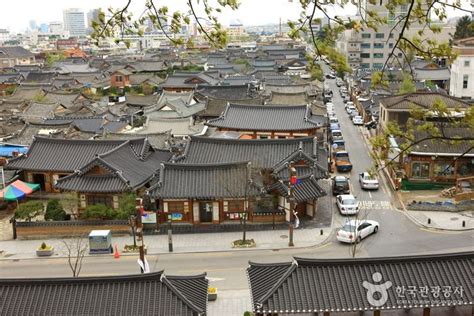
column 16, row 14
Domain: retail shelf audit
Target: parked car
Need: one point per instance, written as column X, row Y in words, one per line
column 368, row 181
column 338, row 144
column 350, row 108
column 334, row 126
column 340, row 185
column 356, row 230
column 342, row 161
column 336, row 134
column 330, row 76
column 333, row 120
column 353, row 114
column 357, row 120
column 347, row 204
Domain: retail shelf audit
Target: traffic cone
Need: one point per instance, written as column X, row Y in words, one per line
column 116, row 253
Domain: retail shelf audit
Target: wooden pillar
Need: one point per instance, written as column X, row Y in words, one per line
column 426, row 311
column 377, row 313
column 326, row 314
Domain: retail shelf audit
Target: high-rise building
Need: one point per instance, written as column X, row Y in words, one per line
column 92, row 15
column 33, row 25
column 462, row 69
column 74, row 22
column 56, row 27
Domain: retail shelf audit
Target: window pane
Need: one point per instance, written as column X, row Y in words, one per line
column 365, row 45
column 443, row 169
column 365, row 55
column 421, row 170
column 378, row 55
column 379, row 35
column 378, row 45
column 365, row 35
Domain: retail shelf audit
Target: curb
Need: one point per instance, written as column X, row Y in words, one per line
column 419, row 223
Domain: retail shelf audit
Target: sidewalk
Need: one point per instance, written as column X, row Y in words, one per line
column 182, row 243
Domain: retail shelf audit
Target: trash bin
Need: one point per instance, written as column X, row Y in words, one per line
column 100, row 241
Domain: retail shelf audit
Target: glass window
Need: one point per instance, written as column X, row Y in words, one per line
column 235, row 206
column 443, row 169
column 420, row 170
column 379, row 35
column 118, row 78
column 365, row 55
column 365, row 45
column 365, row 35
column 467, row 63
column 377, row 65
column 378, row 45
column 391, row 35
column 465, row 81
column 378, row 55
column 390, row 45
column 365, row 66
column 466, row 168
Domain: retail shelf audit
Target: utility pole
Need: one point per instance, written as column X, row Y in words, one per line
column 139, row 232
column 292, row 174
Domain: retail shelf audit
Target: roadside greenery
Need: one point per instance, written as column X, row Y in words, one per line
column 55, row 211
column 29, row 210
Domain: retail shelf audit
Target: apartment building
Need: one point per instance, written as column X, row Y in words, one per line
column 74, row 22
column 462, row 70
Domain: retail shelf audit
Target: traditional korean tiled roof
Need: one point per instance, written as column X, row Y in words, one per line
column 432, row 74
column 292, row 88
column 141, row 100
column 176, row 126
column 297, row 98
column 187, row 80
column 27, row 134
column 202, row 181
column 444, row 147
column 145, row 294
column 123, row 170
column 64, row 155
column 66, row 99
column 267, row 118
column 40, row 77
column 15, row 52
column 337, row 285
column 174, row 105
column 264, row 153
column 91, row 124
column 38, row 111
column 307, row 189
column 26, row 93
column 421, row 99
column 234, row 92
column 215, row 107
column 156, row 140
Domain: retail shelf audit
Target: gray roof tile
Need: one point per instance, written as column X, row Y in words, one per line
column 69, row 155
column 171, row 295
column 421, row 99
column 318, row 285
column 201, row 181
column 267, row 118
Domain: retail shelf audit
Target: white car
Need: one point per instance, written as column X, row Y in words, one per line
column 368, row 181
column 333, row 120
column 356, row 230
column 350, row 108
column 347, row 204
column 358, row 120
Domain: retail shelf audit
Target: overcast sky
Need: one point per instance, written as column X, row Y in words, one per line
column 16, row 14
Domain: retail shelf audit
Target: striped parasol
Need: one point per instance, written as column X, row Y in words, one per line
column 18, row 190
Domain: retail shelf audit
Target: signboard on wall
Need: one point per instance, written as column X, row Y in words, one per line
column 149, row 218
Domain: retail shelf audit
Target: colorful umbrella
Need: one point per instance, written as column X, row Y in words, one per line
column 18, row 190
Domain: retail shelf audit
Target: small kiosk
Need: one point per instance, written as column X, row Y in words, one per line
column 100, row 241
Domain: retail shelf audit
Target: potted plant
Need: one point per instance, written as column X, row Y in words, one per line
column 211, row 293
column 44, row 250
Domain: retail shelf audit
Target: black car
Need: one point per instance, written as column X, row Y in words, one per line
column 340, row 185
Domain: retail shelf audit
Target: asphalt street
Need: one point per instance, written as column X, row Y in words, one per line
column 397, row 236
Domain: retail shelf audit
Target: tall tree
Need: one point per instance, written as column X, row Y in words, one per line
column 464, row 28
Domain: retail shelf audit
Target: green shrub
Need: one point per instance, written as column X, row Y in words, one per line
column 127, row 206
column 29, row 210
column 54, row 211
column 98, row 211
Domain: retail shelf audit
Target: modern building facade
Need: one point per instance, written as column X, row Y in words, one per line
column 74, row 22
column 462, row 70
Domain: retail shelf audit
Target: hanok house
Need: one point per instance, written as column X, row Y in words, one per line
column 106, row 177
column 120, row 78
column 397, row 108
column 269, row 121
column 104, row 295
column 408, row 285
column 115, row 164
column 269, row 158
column 431, row 163
column 203, row 193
